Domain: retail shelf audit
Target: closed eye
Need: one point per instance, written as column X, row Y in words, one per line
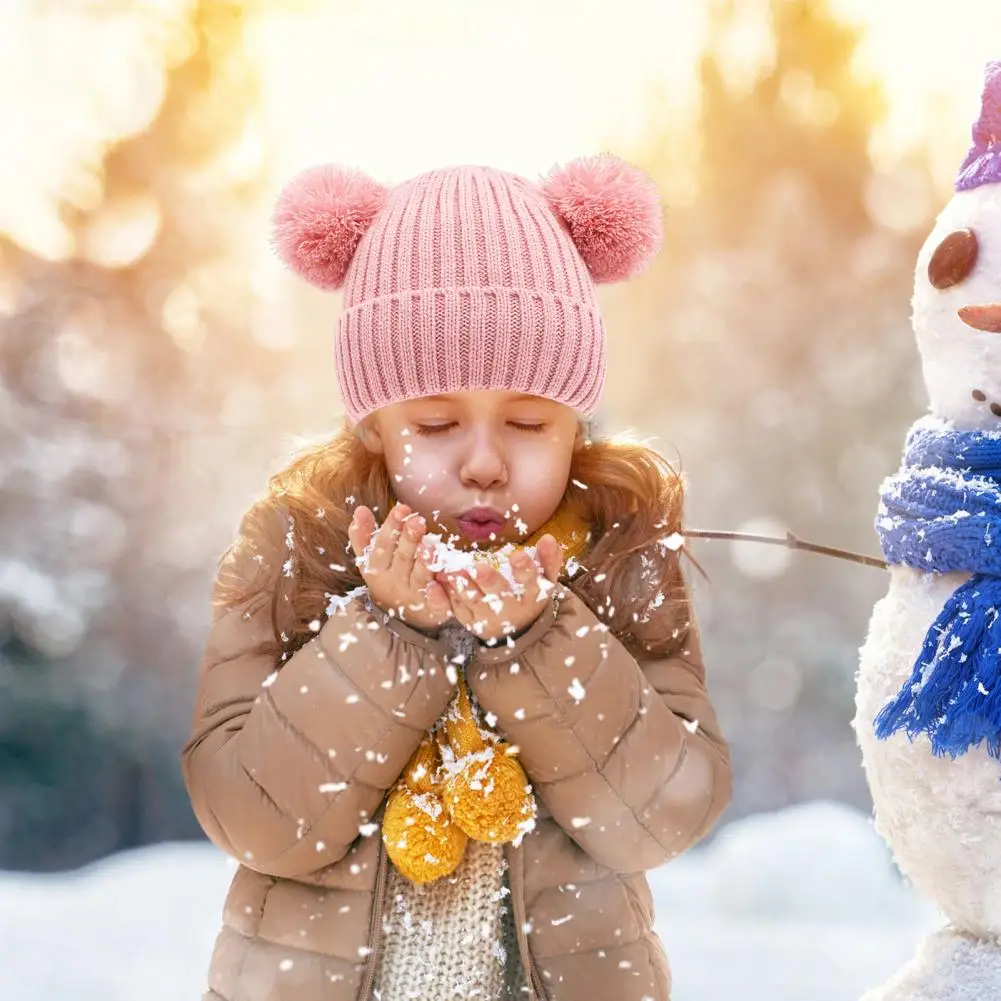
column 428, row 430
column 432, row 429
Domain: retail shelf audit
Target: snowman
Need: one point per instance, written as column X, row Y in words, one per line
column 928, row 703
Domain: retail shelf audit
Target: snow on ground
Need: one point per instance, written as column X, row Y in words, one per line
column 798, row 904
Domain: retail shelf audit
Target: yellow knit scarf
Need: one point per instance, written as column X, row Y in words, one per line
column 463, row 781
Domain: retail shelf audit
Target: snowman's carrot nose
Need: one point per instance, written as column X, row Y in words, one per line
column 983, row 317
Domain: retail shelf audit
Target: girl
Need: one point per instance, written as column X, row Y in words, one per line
column 444, row 780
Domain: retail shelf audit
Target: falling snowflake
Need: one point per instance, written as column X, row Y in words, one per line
column 339, row 602
column 673, row 542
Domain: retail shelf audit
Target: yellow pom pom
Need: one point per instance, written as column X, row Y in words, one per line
column 489, row 796
column 421, row 839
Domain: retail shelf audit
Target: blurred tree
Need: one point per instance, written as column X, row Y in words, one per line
column 777, row 359
column 800, row 104
column 130, row 375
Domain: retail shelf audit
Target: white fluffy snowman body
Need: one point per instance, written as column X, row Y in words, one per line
column 941, row 816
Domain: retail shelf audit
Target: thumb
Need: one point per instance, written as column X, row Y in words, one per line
column 550, row 555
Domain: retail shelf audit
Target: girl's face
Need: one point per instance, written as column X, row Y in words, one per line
column 488, row 465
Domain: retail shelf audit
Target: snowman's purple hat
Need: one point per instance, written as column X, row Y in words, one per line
column 983, row 163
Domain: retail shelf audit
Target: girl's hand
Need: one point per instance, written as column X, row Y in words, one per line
column 396, row 570
column 488, row 608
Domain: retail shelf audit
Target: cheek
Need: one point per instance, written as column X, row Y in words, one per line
column 424, row 465
column 541, row 477
column 417, row 475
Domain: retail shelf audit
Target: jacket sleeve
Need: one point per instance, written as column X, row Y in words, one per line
column 626, row 755
column 286, row 768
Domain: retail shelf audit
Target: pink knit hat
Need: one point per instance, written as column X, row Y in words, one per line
column 469, row 278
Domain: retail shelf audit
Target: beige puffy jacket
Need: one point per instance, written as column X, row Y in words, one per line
column 288, row 771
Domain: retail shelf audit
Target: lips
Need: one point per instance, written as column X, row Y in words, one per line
column 479, row 523
column 984, row 316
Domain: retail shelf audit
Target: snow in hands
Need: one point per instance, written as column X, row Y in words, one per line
column 493, row 605
column 426, row 579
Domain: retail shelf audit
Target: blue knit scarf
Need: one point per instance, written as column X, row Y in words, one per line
column 942, row 512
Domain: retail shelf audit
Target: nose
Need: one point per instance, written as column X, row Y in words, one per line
column 986, row 316
column 484, row 465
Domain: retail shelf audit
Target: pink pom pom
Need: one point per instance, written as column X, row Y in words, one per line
column 612, row 210
column 319, row 218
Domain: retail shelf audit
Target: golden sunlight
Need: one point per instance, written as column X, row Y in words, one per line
column 399, row 88
column 930, row 58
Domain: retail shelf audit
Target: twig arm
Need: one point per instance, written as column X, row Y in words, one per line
column 790, row 542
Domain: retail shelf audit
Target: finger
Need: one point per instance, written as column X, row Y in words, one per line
column 488, row 580
column 462, row 592
column 422, row 575
column 550, row 554
column 360, row 530
column 438, row 602
column 385, row 540
column 526, row 574
column 411, row 533
column 493, row 590
column 457, row 602
column 468, row 587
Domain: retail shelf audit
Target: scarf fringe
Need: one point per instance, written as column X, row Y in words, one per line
column 954, row 693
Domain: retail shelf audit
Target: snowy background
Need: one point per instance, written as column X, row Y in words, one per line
column 156, row 364
column 795, row 905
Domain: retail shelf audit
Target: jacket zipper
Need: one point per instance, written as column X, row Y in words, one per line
column 375, row 932
column 516, row 874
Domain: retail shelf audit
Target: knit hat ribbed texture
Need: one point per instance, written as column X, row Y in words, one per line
column 469, row 277
column 467, row 281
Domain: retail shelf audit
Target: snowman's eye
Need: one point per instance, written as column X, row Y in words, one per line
column 953, row 259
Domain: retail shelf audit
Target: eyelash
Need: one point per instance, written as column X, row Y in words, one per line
column 429, row 430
